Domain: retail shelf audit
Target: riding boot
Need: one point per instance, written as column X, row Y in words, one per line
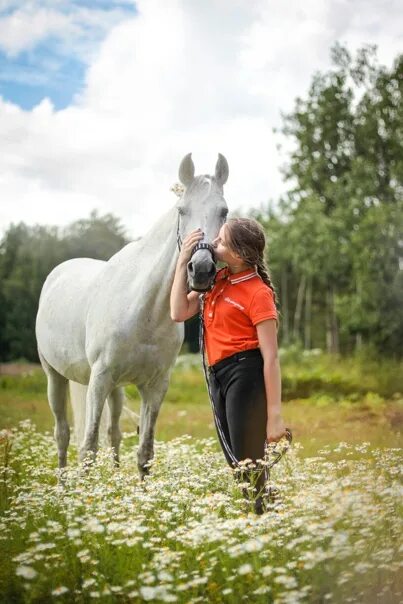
column 259, row 506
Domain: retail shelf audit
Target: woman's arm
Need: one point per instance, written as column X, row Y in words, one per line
column 184, row 305
column 267, row 336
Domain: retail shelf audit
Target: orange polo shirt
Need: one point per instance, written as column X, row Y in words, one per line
column 232, row 309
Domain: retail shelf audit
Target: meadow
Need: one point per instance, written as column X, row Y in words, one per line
column 186, row 534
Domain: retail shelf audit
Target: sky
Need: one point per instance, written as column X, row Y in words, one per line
column 101, row 99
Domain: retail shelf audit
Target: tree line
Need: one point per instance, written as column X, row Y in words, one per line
column 27, row 255
column 335, row 240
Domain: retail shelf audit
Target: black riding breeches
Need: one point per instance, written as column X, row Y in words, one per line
column 238, row 395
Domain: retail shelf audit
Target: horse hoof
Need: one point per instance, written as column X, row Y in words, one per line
column 62, row 476
column 87, row 458
column 143, row 471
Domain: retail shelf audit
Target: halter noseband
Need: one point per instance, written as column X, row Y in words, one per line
column 204, row 246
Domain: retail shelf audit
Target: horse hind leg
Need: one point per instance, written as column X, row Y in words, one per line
column 152, row 397
column 115, row 402
column 57, row 397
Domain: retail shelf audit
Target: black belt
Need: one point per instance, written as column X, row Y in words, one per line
column 235, row 358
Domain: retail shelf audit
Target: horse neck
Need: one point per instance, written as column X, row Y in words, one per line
column 162, row 249
column 155, row 255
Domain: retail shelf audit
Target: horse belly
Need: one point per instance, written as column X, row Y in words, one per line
column 140, row 356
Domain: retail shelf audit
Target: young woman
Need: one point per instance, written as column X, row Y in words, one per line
column 240, row 339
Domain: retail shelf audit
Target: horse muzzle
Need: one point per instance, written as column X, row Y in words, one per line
column 201, row 268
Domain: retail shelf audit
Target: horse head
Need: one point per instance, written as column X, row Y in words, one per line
column 202, row 204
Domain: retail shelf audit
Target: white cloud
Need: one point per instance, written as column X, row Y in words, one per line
column 24, row 29
column 181, row 76
column 75, row 28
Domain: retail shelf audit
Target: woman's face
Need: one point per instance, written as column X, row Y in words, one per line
column 221, row 248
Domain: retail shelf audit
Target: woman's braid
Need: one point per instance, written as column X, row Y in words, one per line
column 264, row 274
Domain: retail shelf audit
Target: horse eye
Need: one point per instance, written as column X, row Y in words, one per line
column 224, row 213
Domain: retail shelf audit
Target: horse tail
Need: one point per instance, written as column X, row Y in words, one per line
column 126, row 412
column 78, row 396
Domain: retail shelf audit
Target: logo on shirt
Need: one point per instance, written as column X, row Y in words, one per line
column 231, row 301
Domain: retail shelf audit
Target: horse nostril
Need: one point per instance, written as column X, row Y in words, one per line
column 190, row 268
column 211, row 271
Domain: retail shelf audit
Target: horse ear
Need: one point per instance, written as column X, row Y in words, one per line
column 221, row 170
column 187, row 170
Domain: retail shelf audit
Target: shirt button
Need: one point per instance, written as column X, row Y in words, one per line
column 210, row 314
column 213, row 302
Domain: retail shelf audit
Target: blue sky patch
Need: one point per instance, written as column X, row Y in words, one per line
column 34, row 75
column 53, row 68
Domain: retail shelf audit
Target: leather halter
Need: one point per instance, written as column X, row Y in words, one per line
column 199, row 246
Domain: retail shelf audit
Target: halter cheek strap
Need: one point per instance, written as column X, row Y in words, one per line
column 199, row 246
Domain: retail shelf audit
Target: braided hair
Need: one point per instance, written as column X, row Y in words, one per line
column 246, row 238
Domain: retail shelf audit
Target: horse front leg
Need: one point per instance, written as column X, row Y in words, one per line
column 152, row 397
column 99, row 388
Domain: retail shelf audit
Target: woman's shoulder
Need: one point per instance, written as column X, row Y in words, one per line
column 261, row 289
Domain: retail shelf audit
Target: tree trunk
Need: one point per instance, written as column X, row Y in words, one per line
column 284, row 305
column 332, row 328
column 328, row 323
column 298, row 308
column 308, row 309
column 335, row 325
column 358, row 341
column 358, row 335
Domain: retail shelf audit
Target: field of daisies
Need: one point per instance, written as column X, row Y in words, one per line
column 186, row 534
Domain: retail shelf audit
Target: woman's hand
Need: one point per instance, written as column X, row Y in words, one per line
column 188, row 244
column 275, row 428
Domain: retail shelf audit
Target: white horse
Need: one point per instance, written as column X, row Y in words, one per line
column 108, row 324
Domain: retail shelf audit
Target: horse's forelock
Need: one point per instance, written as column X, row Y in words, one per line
column 199, row 182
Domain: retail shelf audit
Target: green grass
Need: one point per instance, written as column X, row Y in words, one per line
column 326, row 399
column 313, row 373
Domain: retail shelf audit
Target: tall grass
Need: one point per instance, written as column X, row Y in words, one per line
column 305, row 374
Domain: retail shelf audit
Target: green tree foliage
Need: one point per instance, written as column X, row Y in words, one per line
column 95, row 237
column 335, row 242
column 27, row 255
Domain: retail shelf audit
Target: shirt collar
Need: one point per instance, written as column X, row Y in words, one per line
column 249, row 273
